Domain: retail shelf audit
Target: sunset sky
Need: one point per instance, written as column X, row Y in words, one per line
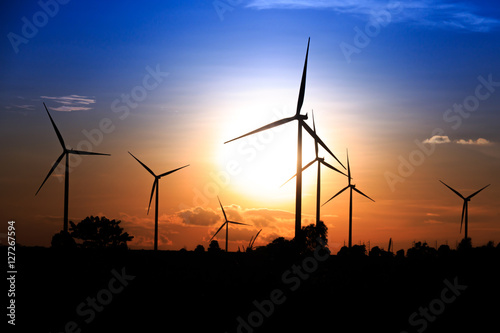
column 412, row 90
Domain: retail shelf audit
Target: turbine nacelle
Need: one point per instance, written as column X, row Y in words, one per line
column 301, row 116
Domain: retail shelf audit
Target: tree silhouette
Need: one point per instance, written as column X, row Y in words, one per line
column 375, row 252
column 421, row 250
column 199, row 249
column 63, row 240
column 465, row 245
column 214, row 247
column 100, row 232
column 311, row 233
column 355, row 250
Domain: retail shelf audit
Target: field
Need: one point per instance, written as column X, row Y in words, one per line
column 167, row 291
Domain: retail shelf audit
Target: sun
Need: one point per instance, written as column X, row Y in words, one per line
column 260, row 164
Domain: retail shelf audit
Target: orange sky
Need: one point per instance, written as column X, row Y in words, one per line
column 178, row 82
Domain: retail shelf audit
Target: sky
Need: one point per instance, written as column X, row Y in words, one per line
column 410, row 89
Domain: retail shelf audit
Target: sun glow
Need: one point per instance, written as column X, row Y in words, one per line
column 260, row 164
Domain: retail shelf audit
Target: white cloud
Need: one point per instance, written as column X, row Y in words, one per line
column 440, row 139
column 479, row 141
column 70, row 108
column 71, row 102
column 433, row 14
column 437, row 139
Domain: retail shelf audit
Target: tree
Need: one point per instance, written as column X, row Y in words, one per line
column 375, row 252
column 63, row 240
column 421, row 250
column 465, row 245
column 214, row 247
column 100, row 232
column 199, row 249
column 311, row 233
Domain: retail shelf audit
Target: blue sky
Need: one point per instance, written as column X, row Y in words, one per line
column 381, row 76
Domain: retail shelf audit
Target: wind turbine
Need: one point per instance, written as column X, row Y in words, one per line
column 351, row 187
column 252, row 240
column 156, row 184
column 226, row 223
column 465, row 208
column 301, row 124
column 320, row 160
column 66, row 152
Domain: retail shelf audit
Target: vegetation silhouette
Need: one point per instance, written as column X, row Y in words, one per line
column 214, row 247
column 63, row 240
column 96, row 232
column 199, row 249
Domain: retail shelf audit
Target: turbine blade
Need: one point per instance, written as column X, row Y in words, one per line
column 348, row 166
column 355, row 189
column 342, row 190
column 473, row 194
column 314, row 129
column 81, row 152
column 237, row 223
column 456, row 192
column 250, row 243
column 152, row 192
column 144, row 165
column 305, row 167
column 332, row 167
column 302, row 90
column 256, row 237
column 59, row 136
column 51, row 170
column 225, row 217
column 222, row 226
column 266, row 127
column 171, row 171
column 318, row 140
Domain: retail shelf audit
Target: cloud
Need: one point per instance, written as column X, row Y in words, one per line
column 432, row 222
column 479, row 141
column 437, row 139
column 199, row 216
column 25, row 107
column 71, row 102
column 440, row 139
column 433, row 14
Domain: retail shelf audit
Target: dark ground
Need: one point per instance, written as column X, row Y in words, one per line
column 207, row 292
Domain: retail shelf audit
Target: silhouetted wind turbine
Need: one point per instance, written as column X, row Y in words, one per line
column 320, row 160
column 252, row 240
column 156, row 184
column 301, row 124
column 351, row 187
column 465, row 208
column 226, row 223
column 66, row 152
